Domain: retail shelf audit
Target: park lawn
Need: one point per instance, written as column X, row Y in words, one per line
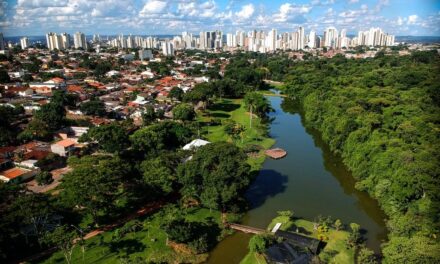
column 147, row 244
column 235, row 110
column 253, row 258
column 334, row 252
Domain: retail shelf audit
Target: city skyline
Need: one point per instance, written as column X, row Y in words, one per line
column 149, row 17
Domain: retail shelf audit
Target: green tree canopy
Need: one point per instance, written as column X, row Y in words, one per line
column 216, row 175
column 95, row 183
column 184, row 112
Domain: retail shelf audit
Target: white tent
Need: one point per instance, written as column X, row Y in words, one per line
column 195, row 144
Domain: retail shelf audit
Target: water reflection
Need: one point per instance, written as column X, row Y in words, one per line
column 310, row 181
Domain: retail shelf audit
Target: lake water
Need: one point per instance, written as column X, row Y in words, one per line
column 310, row 181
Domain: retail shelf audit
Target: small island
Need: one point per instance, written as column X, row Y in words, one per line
column 291, row 239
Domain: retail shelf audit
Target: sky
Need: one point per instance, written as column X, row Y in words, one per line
column 151, row 17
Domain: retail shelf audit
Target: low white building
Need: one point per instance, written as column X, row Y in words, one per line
column 196, row 143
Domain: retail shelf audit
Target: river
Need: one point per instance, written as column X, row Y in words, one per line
column 310, row 181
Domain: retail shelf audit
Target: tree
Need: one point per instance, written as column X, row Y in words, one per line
column 149, row 115
column 111, row 138
column 258, row 104
column 287, row 213
column 44, row 178
column 234, row 129
column 161, row 136
column 258, row 244
column 366, row 256
column 37, row 129
column 4, row 77
column 52, row 114
column 63, row 239
column 158, row 172
column 216, row 175
column 95, row 184
column 338, row 224
column 184, row 112
column 176, row 93
column 93, row 107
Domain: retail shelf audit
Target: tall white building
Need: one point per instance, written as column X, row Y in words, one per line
column 65, row 41
column 312, row 39
column 53, row 41
column 167, row 48
column 301, row 40
column 24, row 43
column 79, row 40
column 330, row 35
column 271, row 43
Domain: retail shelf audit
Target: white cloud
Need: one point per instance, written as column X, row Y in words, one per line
column 288, row 11
column 352, row 1
column 246, row 11
column 412, row 19
column 154, row 7
column 399, row 21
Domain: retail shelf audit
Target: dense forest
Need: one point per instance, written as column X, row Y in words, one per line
column 382, row 116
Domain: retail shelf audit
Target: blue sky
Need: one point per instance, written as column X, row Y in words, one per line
column 36, row 17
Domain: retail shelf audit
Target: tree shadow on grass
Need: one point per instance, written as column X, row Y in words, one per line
column 224, row 107
column 220, row 115
column 301, row 230
column 267, row 184
column 127, row 246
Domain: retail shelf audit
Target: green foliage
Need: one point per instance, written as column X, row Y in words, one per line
column 4, row 77
column 95, row 184
column 287, row 213
column 63, row 239
column 382, row 116
column 159, row 172
column 149, row 115
column 162, row 136
column 37, row 129
column 52, row 114
column 258, row 104
column 8, row 115
column 338, row 224
column 111, row 138
column 184, row 112
column 93, row 107
column 259, row 243
column 198, row 235
column 176, row 93
column 44, row 178
column 216, row 175
column 366, row 256
column 50, row 162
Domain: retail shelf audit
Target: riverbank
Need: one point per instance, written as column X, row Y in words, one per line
column 254, row 140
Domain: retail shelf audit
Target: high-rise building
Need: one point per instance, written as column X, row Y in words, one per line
column 2, row 42
column 167, row 48
column 24, row 42
column 53, row 41
column 301, row 40
column 65, row 41
column 79, row 40
column 272, row 40
column 330, row 35
column 312, row 40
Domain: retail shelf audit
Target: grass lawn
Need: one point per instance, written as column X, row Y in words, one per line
column 147, row 244
column 253, row 258
column 334, row 252
column 234, row 109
